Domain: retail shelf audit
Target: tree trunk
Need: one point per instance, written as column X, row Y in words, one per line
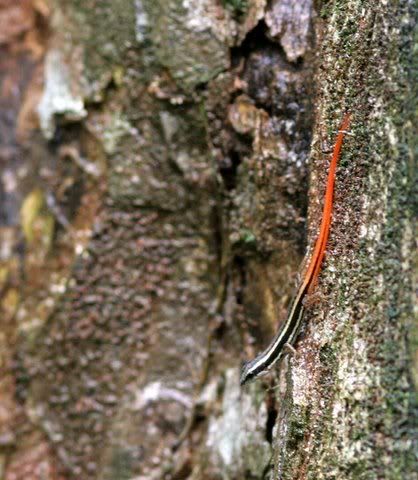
column 154, row 159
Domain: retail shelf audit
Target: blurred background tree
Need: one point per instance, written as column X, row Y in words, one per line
column 159, row 160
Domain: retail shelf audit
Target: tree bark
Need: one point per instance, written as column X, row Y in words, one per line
column 155, row 196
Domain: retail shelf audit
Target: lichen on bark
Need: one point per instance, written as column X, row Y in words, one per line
column 358, row 393
column 184, row 164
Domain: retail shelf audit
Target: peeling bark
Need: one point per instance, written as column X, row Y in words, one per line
column 154, row 189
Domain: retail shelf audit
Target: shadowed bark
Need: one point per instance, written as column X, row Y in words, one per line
column 155, row 191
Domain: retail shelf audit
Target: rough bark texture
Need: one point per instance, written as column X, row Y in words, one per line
column 154, row 197
column 348, row 403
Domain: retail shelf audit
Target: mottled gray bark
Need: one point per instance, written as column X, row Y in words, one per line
column 154, row 238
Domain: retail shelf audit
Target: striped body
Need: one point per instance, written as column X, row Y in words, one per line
column 266, row 359
column 288, row 333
